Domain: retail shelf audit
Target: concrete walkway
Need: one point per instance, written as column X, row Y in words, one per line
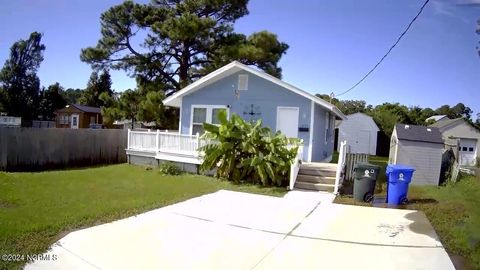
column 233, row 230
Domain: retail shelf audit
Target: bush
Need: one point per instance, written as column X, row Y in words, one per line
column 169, row 168
column 247, row 151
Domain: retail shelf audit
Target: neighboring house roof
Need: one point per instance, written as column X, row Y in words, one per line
column 233, row 67
column 437, row 118
column 83, row 108
column 87, row 109
column 418, row 133
column 447, row 122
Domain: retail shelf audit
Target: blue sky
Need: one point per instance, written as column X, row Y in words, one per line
column 333, row 43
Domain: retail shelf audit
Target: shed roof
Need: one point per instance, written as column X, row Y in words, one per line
column 445, row 123
column 418, row 133
column 174, row 100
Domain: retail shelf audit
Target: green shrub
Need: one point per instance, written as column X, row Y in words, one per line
column 247, row 151
column 169, row 168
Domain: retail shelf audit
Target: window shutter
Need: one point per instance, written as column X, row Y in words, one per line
column 242, row 82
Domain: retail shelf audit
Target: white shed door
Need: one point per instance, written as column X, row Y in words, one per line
column 467, row 152
column 362, row 144
column 287, row 121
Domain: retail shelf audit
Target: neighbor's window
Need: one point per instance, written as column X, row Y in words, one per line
column 464, row 149
column 207, row 114
column 63, row 119
column 470, row 149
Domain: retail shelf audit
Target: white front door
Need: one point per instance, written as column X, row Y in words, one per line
column 287, row 121
column 467, row 152
column 74, row 121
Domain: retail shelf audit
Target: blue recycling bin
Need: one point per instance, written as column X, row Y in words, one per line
column 398, row 179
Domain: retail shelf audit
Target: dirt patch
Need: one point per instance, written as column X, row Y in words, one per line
column 6, row 205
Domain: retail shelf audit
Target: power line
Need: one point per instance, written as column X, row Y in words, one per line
column 388, row 52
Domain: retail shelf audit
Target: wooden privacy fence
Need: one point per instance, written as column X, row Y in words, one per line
column 352, row 160
column 33, row 149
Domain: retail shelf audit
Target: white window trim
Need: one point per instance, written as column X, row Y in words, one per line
column 208, row 116
column 310, row 133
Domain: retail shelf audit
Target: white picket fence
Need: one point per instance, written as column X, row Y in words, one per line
column 342, row 162
column 157, row 141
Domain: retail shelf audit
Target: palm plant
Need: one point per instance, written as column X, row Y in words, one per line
column 245, row 151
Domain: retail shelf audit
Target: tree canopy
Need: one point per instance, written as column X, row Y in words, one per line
column 173, row 42
column 386, row 115
column 19, row 80
column 96, row 85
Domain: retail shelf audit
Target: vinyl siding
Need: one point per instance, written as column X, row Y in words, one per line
column 321, row 150
column 350, row 128
column 425, row 157
column 460, row 130
column 264, row 95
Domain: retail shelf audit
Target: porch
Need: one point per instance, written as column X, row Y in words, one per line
column 153, row 147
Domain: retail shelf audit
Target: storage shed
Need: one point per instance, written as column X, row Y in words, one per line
column 360, row 132
column 420, row 147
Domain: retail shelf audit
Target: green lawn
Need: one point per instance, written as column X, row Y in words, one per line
column 453, row 211
column 36, row 209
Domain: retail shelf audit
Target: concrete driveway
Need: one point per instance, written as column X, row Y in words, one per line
column 233, row 230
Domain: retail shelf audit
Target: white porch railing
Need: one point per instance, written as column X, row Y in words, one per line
column 295, row 167
column 156, row 141
column 342, row 154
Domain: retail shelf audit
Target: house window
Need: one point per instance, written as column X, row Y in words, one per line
column 243, row 82
column 63, row 119
column 205, row 114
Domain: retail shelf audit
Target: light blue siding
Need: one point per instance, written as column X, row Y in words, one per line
column 263, row 95
column 321, row 149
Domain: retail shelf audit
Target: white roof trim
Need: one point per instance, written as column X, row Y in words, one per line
column 235, row 66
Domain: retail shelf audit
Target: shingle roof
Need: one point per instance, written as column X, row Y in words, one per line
column 418, row 133
column 445, row 123
column 87, row 109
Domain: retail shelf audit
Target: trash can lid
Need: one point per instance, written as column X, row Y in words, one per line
column 364, row 165
column 399, row 167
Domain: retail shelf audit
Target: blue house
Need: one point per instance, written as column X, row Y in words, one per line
column 253, row 95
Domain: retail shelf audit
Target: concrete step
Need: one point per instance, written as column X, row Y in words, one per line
column 317, row 171
column 316, row 179
column 314, row 186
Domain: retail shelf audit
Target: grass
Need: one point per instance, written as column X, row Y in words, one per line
column 454, row 213
column 36, row 209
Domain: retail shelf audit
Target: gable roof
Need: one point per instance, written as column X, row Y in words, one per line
column 351, row 119
column 418, row 133
column 437, row 118
column 445, row 123
column 86, row 109
column 233, row 67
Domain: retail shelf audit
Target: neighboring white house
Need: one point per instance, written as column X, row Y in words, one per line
column 360, row 132
column 463, row 138
column 437, row 118
column 420, row 147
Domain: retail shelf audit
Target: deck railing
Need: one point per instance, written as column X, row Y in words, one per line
column 340, row 174
column 157, row 141
column 295, row 167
